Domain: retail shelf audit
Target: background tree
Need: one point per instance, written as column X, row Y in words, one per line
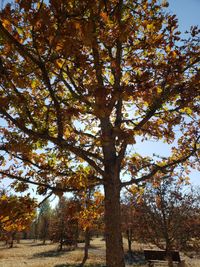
column 16, row 215
column 91, row 211
column 168, row 215
column 64, row 222
column 131, row 215
column 33, row 232
column 43, row 220
column 84, row 81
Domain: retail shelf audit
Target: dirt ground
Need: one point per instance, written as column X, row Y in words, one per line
column 32, row 254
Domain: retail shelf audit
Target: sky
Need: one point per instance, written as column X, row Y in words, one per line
column 188, row 13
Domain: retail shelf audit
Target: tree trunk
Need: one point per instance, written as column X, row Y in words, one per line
column 112, row 188
column 170, row 261
column 86, row 248
column 113, row 235
column 169, row 256
column 12, row 240
column 18, row 238
column 11, row 243
column 168, row 252
column 76, row 234
column 61, row 244
column 129, row 238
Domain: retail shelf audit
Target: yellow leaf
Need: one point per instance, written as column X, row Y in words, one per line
column 168, row 48
column 5, row 219
column 34, row 84
column 19, row 30
column 4, row 197
column 186, row 110
column 159, row 90
column 150, row 27
column 38, row 5
column 59, row 63
column 174, row 54
column 159, row 121
column 6, row 23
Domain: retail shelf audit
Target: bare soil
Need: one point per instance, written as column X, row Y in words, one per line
column 33, row 254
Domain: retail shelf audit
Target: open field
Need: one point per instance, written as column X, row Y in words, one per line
column 32, row 254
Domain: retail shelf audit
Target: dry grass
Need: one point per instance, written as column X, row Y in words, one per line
column 28, row 253
column 31, row 254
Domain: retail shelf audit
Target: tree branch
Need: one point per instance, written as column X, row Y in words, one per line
column 158, row 168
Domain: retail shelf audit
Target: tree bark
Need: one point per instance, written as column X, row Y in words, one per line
column 112, row 188
column 129, row 238
column 169, row 259
column 86, row 248
column 168, row 251
column 61, row 245
column 18, row 238
column 113, row 235
column 12, row 240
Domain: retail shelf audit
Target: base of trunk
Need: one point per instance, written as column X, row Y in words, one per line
column 113, row 235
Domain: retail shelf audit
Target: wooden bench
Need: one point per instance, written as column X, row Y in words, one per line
column 158, row 256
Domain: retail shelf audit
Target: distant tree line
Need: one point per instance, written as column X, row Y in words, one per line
column 165, row 213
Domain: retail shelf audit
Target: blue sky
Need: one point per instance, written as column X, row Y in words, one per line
column 187, row 11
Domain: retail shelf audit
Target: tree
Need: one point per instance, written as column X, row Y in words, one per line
column 82, row 81
column 80, row 213
column 168, row 216
column 32, row 232
column 131, row 216
column 64, row 222
column 91, row 211
column 43, row 219
column 16, row 214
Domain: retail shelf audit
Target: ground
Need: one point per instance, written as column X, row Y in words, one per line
column 33, row 254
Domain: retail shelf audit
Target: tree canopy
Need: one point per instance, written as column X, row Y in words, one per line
column 81, row 81
column 16, row 213
column 167, row 215
column 78, row 77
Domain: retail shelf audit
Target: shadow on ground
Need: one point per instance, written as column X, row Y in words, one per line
column 94, row 247
column 7, row 247
column 49, row 253
column 38, row 245
column 131, row 258
column 77, row 265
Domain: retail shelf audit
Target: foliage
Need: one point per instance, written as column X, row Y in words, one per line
column 167, row 215
column 43, row 220
column 77, row 69
column 91, row 209
column 82, row 81
column 16, row 213
column 74, row 215
column 64, row 222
